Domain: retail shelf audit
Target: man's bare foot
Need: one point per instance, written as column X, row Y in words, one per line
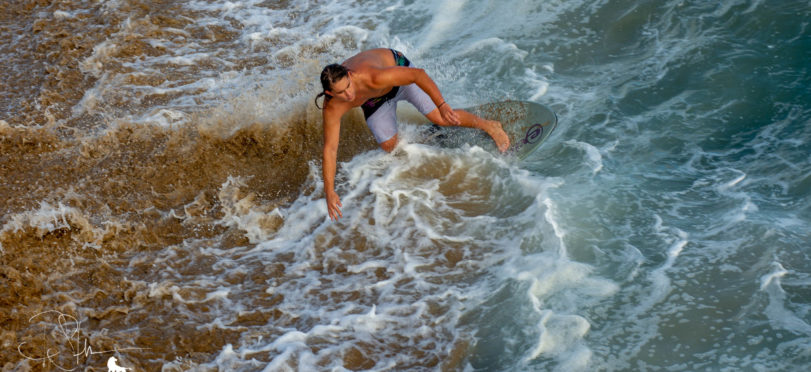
column 494, row 129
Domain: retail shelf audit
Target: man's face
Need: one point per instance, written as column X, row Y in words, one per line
column 343, row 90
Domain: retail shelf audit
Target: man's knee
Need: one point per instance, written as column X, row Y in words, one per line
column 389, row 144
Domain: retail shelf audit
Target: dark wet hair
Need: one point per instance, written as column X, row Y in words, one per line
column 330, row 75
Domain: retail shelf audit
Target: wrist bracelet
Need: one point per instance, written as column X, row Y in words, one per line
column 440, row 105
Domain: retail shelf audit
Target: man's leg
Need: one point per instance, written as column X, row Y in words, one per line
column 383, row 124
column 492, row 127
column 389, row 144
column 413, row 94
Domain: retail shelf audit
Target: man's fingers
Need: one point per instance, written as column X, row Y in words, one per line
column 454, row 118
column 335, row 211
column 450, row 116
column 337, row 208
column 334, row 206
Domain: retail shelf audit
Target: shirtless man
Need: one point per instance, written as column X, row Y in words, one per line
column 375, row 80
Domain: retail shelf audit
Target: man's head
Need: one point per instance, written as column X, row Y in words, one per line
column 335, row 82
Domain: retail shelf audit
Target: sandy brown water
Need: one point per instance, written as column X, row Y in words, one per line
column 90, row 201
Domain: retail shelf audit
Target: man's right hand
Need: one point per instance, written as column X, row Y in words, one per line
column 334, row 205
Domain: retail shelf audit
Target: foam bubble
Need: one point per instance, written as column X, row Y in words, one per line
column 49, row 218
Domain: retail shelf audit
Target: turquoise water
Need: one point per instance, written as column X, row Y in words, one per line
column 665, row 225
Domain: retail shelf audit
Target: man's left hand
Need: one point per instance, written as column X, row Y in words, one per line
column 449, row 115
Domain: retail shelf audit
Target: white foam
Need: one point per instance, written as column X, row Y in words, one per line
column 243, row 213
column 726, row 186
column 772, row 278
column 558, row 334
column 220, row 294
column 166, row 117
column 61, row 14
column 549, row 215
column 660, row 281
column 367, row 265
column 446, row 15
column 593, row 156
column 412, row 214
column 779, row 316
column 50, row 218
column 368, row 323
column 94, row 64
column 557, row 288
column 542, row 84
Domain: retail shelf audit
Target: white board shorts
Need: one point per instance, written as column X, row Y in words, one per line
column 383, row 121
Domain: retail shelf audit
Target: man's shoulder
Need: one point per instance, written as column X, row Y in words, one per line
column 368, row 59
column 334, row 108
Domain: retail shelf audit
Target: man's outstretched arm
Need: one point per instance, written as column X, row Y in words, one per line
column 398, row 76
column 332, row 130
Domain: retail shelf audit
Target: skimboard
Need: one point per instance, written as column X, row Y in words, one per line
column 528, row 124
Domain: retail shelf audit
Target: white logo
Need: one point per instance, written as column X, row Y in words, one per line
column 112, row 367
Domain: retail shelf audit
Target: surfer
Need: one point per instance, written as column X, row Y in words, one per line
column 376, row 80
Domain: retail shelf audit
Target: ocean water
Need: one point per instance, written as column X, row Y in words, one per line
column 163, row 203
